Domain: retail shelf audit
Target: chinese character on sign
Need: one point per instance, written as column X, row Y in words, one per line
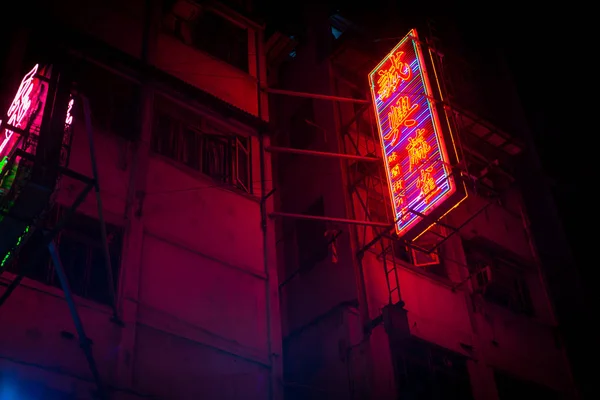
column 395, row 172
column 390, row 78
column 426, row 184
column 392, row 157
column 399, row 199
column 397, row 185
column 417, row 148
column 69, row 119
column 399, row 116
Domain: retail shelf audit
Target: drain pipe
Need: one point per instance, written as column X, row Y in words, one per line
column 264, row 218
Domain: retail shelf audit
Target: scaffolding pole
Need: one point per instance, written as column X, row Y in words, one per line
column 84, row 341
column 329, row 219
column 107, row 261
column 275, row 149
column 316, row 96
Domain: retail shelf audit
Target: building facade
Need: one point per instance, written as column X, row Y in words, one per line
column 178, row 125
column 462, row 312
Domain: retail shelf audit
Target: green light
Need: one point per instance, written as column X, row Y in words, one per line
column 7, row 256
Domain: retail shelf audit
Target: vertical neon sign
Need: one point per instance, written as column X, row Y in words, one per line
column 415, row 153
column 20, row 131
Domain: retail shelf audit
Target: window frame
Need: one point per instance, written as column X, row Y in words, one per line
column 206, row 132
column 45, row 278
column 186, row 30
column 479, row 257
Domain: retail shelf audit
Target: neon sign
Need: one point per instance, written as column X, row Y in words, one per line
column 25, row 113
column 18, row 110
column 20, row 129
column 415, row 154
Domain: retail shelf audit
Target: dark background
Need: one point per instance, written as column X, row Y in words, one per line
column 541, row 52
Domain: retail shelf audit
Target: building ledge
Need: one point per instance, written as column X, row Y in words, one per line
column 78, row 44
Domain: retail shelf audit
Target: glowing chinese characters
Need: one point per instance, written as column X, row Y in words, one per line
column 69, row 119
column 415, row 154
column 389, row 78
column 417, row 149
column 19, row 108
column 399, row 116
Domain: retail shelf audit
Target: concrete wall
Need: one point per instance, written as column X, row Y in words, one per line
column 199, row 302
column 321, row 360
column 125, row 21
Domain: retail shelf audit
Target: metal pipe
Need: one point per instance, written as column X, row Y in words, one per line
column 105, row 248
column 330, row 219
column 360, row 253
column 315, row 96
column 264, row 224
column 275, row 149
column 84, row 341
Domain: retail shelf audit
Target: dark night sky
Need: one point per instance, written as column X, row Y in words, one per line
column 544, row 52
column 534, row 49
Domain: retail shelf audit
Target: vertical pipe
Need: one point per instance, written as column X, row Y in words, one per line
column 84, row 341
column 263, row 212
column 105, row 248
column 129, row 281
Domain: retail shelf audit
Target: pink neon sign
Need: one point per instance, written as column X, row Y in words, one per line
column 18, row 110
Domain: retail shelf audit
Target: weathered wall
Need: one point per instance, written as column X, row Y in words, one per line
column 200, row 303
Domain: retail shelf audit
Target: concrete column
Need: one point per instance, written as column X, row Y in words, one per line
column 132, row 255
column 274, row 320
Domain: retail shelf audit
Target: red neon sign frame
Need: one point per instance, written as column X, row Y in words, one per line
column 416, row 157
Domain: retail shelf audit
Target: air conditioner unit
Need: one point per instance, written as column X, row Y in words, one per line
column 481, row 279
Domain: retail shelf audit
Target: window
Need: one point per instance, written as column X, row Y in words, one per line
column 113, row 100
column 429, row 372
column 312, row 243
column 222, row 38
column 80, row 248
column 498, row 278
column 203, row 148
column 209, row 32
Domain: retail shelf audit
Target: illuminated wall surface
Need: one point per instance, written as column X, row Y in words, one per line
column 416, row 158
